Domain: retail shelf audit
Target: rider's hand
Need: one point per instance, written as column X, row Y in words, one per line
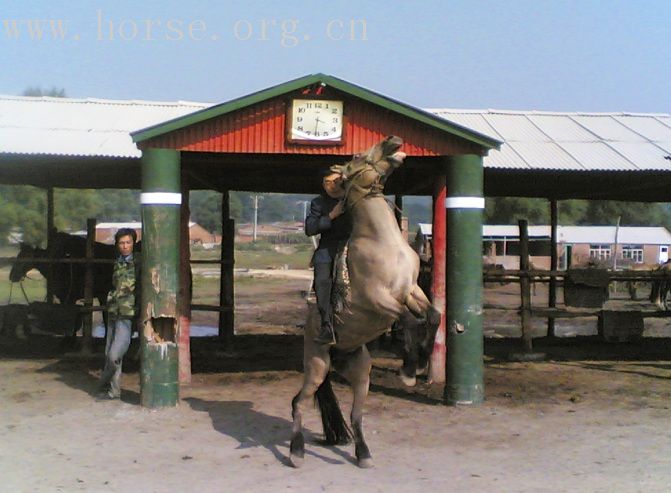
column 337, row 210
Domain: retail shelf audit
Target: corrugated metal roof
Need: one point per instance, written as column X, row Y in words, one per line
column 628, row 235
column 572, row 141
column 533, row 140
column 80, row 127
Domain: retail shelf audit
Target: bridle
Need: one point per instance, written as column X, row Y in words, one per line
column 376, row 187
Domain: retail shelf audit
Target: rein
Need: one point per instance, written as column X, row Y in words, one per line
column 375, row 188
column 11, row 288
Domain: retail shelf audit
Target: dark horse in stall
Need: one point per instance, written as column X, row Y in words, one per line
column 661, row 287
column 67, row 278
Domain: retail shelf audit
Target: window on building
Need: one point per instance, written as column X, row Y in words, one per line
column 599, row 252
column 633, row 253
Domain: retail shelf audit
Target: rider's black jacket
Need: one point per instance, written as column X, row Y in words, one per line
column 334, row 233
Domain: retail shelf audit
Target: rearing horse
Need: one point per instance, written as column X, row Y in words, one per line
column 383, row 272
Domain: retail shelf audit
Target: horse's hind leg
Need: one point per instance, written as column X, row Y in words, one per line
column 419, row 331
column 316, row 369
column 410, row 328
column 356, row 370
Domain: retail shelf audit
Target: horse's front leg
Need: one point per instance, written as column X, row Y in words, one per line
column 316, row 368
column 357, row 372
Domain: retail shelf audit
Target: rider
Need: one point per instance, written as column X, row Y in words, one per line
column 328, row 218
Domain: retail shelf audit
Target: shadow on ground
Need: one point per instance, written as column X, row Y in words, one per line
column 252, row 428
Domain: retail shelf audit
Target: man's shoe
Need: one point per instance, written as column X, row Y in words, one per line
column 325, row 336
column 106, row 396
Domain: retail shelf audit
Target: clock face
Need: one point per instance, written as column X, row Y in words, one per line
column 316, row 120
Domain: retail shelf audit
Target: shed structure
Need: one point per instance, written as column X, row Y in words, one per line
column 250, row 144
column 242, row 145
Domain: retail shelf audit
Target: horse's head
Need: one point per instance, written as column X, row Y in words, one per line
column 367, row 173
column 22, row 264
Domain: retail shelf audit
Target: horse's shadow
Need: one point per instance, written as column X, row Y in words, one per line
column 252, row 428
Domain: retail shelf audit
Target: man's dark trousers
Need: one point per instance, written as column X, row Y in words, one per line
column 323, row 283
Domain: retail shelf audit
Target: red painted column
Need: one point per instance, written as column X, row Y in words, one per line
column 439, row 255
column 184, row 289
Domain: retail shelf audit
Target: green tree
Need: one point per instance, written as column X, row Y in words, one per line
column 37, row 91
column 605, row 212
column 508, row 210
column 119, row 205
column 205, row 206
column 8, row 218
column 27, row 207
column 73, row 207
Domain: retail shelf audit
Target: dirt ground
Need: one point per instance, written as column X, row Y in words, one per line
column 592, row 417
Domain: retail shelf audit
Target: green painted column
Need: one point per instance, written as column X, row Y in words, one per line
column 161, row 201
column 464, row 203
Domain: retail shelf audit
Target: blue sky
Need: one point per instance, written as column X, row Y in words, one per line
column 518, row 54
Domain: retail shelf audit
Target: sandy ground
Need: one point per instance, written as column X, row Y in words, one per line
column 593, row 417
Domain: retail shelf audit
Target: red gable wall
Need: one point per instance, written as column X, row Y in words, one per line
column 260, row 128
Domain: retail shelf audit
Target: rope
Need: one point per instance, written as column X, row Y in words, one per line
column 11, row 289
column 24, row 292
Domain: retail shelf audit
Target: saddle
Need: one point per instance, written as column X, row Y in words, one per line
column 341, row 291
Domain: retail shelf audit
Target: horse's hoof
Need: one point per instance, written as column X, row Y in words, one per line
column 366, row 463
column 296, row 461
column 407, row 381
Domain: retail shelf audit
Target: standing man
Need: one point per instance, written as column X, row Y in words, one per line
column 123, row 304
column 328, row 218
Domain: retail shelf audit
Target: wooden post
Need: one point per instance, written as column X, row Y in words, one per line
column 439, row 254
column 87, row 346
column 50, row 228
column 226, row 283
column 525, row 285
column 552, row 291
column 185, row 287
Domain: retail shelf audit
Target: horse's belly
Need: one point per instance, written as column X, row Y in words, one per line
column 374, row 268
column 358, row 328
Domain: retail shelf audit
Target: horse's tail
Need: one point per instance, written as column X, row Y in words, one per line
column 336, row 431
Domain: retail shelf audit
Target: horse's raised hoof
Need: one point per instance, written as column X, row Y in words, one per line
column 407, row 381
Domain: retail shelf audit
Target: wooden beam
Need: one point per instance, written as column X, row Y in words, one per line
column 87, row 327
column 552, row 291
column 226, row 282
column 50, row 228
column 525, row 286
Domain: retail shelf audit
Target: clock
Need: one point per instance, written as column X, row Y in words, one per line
column 315, row 121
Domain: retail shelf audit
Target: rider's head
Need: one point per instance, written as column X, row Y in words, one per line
column 332, row 183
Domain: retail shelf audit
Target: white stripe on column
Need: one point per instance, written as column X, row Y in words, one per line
column 465, row 203
column 160, row 198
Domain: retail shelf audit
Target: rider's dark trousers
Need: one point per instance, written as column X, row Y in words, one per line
column 323, row 283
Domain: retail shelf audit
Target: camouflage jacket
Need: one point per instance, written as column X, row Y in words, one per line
column 123, row 301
